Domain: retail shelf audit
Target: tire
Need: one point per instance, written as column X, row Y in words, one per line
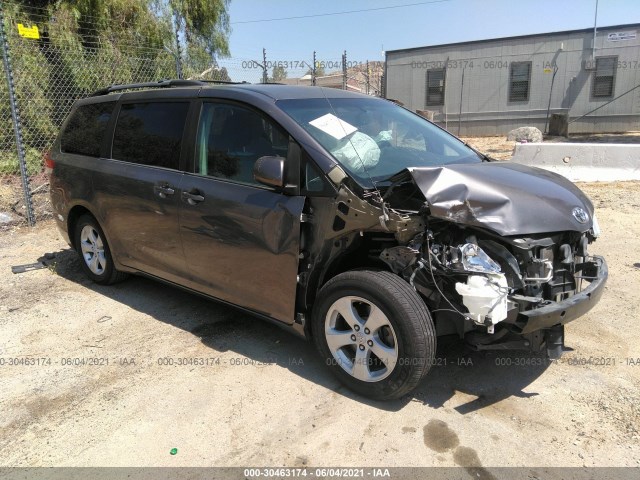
column 388, row 359
column 93, row 250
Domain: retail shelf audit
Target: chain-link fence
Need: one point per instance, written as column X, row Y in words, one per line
column 51, row 68
column 55, row 58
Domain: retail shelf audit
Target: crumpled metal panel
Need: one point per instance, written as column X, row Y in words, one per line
column 509, row 199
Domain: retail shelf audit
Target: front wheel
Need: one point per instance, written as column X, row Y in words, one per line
column 375, row 333
column 94, row 252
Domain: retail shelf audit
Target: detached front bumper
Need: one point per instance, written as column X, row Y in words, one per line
column 560, row 313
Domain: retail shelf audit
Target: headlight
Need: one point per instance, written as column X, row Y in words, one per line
column 595, row 229
column 474, row 259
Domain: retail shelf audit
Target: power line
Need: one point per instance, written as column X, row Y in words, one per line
column 338, row 13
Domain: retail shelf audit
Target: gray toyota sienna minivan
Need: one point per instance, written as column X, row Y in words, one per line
column 346, row 218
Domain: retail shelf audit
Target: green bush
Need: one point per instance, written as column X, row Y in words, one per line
column 9, row 162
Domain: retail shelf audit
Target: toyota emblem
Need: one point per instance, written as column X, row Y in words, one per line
column 580, row 215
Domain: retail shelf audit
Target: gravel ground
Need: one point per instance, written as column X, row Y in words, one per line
column 264, row 398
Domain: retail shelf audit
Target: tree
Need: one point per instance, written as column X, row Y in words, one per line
column 204, row 23
column 214, row 73
column 220, row 74
column 86, row 45
column 117, row 22
column 319, row 70
column 279, row 74
column 201, row 24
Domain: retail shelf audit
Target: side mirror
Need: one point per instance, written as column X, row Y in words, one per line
column 269, row 171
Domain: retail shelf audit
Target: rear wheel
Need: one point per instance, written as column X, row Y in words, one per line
column 95, row 255
column 375, row 333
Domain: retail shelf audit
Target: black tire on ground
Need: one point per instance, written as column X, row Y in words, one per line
column 106, row 273
column 408, row 316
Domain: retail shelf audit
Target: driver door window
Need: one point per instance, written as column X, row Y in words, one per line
column 230, row 140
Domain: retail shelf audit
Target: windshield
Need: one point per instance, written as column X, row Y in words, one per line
column 374, row 139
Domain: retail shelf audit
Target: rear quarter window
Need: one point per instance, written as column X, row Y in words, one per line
column 85, row 129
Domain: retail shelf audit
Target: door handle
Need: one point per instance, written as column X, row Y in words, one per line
column 163, row 190
column 192, row 198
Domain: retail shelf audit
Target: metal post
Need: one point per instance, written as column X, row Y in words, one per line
column 15, row 114
column 383, row 77
column 344, row 70
column 264, row 65
column 313, row 70
column 460, row 110
column 444, row 99
column 367, row 77
column 546, row 120
column 178, row 48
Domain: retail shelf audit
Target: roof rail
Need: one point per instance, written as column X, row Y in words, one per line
column 160, row 84
column 222, row 82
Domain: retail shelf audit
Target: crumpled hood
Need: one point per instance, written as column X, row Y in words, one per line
column 510, row 199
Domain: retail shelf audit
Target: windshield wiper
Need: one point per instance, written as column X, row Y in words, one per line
column 485, row 158
column 400, row 178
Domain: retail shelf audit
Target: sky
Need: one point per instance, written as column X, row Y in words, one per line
column 365, row 35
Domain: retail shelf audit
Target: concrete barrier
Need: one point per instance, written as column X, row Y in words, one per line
column 582, row 162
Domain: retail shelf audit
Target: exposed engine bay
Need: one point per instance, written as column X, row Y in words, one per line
column 475, row 284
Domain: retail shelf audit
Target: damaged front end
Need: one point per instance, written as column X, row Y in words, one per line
column 487, row 272
column 514, row 294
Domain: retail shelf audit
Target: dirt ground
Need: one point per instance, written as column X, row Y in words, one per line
column 86, row 378
column 13, row 210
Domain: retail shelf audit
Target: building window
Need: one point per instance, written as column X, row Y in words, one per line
column 605, row 76
column 435, row 87
column 519, row 81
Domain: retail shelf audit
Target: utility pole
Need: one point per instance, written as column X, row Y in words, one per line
column 313, row 70
column 344, row 70
column 367, row 77
column 264, row 65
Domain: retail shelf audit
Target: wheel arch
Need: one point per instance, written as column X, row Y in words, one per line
column 341, row 262
column 337, row 266
column 73, row 216
column 119, row 272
